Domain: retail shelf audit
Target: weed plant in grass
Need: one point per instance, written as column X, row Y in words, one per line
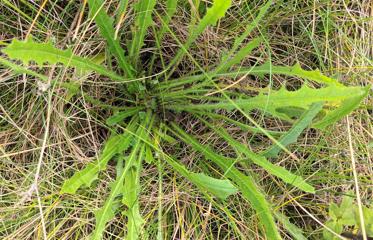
column 166, row 107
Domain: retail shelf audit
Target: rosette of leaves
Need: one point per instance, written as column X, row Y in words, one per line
column 140, row 131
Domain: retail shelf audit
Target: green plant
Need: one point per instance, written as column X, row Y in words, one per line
column 347, row 215
column 141, row 128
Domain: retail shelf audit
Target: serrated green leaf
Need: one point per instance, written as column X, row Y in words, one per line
column 292, row 135
column 143, row 20
column 41, row 53
column 344, row 109
column 130, row 199
column 132, row 184
column 332, row 96
column 105, row 25
column 295, row 71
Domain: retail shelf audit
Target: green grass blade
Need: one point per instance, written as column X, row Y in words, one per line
column 105, row 25
column 298, row 127
column 41, row 53
column 143, row 20
column 280, row 172
column 243, row 182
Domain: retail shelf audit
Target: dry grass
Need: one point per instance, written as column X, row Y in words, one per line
column 43, row 137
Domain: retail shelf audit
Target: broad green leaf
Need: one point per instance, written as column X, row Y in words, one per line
column 344, row 213
column 345, row 108
column 143, row 20
column 41, row 53
column 336, row 227
column 86, row 176
column 332, row 96
column 105, row 25
column 243, row 182
column 261, row 161
column 220, row 188
column 298, row 127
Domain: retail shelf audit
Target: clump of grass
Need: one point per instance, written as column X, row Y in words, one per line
column 165, row 108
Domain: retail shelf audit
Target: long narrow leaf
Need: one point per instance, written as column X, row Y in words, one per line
column 115, row 144
column 259, row 160
column 105, row 25
column 244, row 183
column 143, row 11
column 106, row 213
column 292, row 135
column 272, row 103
